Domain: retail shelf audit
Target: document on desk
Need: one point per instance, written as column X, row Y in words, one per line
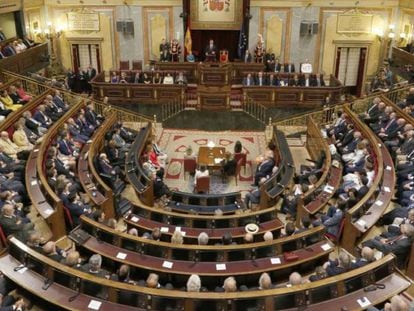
column 121, row 255
column 275, row 261
column 94, row 305
column 220, row 266
column 364, row 302
column 217, row 160
column 167, row 264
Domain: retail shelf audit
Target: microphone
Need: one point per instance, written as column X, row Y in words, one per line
column 131, row 170
column 280, row 185
column 196, row 256
column 78, row 283
column 98, row 238
column 47, row 283
column 253, row 257
column 213, row 223
column 23, row 265
column 142, row 249
column 291, row 165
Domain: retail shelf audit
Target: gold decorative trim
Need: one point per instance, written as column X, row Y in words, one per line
column 145, row 12
column 233, row 25
column 286, row 31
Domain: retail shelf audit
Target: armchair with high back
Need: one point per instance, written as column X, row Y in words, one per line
column 202, row 184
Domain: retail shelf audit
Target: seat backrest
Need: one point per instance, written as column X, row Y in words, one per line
column 203, row 184
column 137, row 65
column 190, row 165
column 124, row 64
column 242, row 156
column 3, row 237
column 68, row 216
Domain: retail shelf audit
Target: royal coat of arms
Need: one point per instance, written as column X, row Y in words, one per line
column 216, row 5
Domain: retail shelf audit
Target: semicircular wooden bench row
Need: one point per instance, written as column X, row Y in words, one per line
column 165, row 249
column 65, row 287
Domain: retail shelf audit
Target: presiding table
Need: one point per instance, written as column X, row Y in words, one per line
column 211, row 157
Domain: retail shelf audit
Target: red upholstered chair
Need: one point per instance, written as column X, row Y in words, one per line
column 68, row 217
column 243, row 157
column 337, row 238
column 224, row 56
column 3, row 237
column 124, row 65
column 137, row 65
column 202, row 184
column 190, row 165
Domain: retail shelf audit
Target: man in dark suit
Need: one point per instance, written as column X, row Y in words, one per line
column 391, row 132
column 13, row 225
column 389, row 126
column 8, row 50
column 41, row 117
column 265, row 168
column 32, row 124
column 289, row 67
column 92, row 117
column 276, row 66
column 367, row 256
column 400, row 245
column 247, row 57
column 261, row 79
column 211, row 52
column 248, row 80
column 58, row 100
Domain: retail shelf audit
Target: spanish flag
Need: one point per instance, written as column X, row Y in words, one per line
column 188, row 43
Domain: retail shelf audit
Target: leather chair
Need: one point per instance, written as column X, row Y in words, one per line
column 190, row 165
column 243, row 157
column 202, row 185
column 124, row 65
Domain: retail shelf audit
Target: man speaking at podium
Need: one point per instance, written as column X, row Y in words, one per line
column 211, row 52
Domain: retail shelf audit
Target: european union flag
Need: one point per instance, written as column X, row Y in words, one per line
column 242, row 42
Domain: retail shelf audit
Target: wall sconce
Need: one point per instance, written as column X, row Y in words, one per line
column 379, row 33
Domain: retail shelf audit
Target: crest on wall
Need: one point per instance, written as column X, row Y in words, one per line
column 216, row 5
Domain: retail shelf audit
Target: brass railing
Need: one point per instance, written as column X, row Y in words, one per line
column 326, row 114
column 36, row 88
column 170, row 109
column 255, row 109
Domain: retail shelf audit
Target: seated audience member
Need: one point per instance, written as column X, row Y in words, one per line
column 367, row 256
column 8, row 101
column 338, row 266
column 396, row 304
column 137, row 78
column 289, row 205
column 34, row 241
column 22, row 93
column 73, row 260
column 157, row 79
column 203, row 238
column 248, row 80
column 320, row 274
column 202, row 172
column 268, row 236
column 230, row 285
column 177, row 237
column 161, row 190
column 41, row 117
column 17, row 100
column 265, row 282
column 229, row 164
column 10, row 148
column 76, row 207
column 107, row 168
column 227, row 239
column 333, row 218
column 152, row 281
column 265, row 168
column 162, row 157
column 20, row 138
column 146, row 78
column 14, row 225
column 253, row 197
column 123, row 79
column 93, row 267
column 181, row 79
column 193, row 283
column 92, row 117
column 168, row 79
column 120, row 143
column 294, row 279
column 114, row 77
column 399, row 245
column 33, row 125
column 49, row 250
column 248, row 238
column 76, row 132
column 394, row 229
column 261, row 79
column 58, row 100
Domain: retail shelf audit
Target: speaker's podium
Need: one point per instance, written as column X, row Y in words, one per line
column 213, row 90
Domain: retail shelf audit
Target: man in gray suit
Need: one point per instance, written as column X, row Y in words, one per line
column 11, row 224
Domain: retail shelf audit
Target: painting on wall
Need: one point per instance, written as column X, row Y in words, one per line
column 216, row 14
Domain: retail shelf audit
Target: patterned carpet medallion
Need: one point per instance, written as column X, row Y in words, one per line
column 175, row 142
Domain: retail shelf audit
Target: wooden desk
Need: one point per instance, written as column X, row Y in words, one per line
column 23, row 62
column 335, row 289
column 207, row 156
